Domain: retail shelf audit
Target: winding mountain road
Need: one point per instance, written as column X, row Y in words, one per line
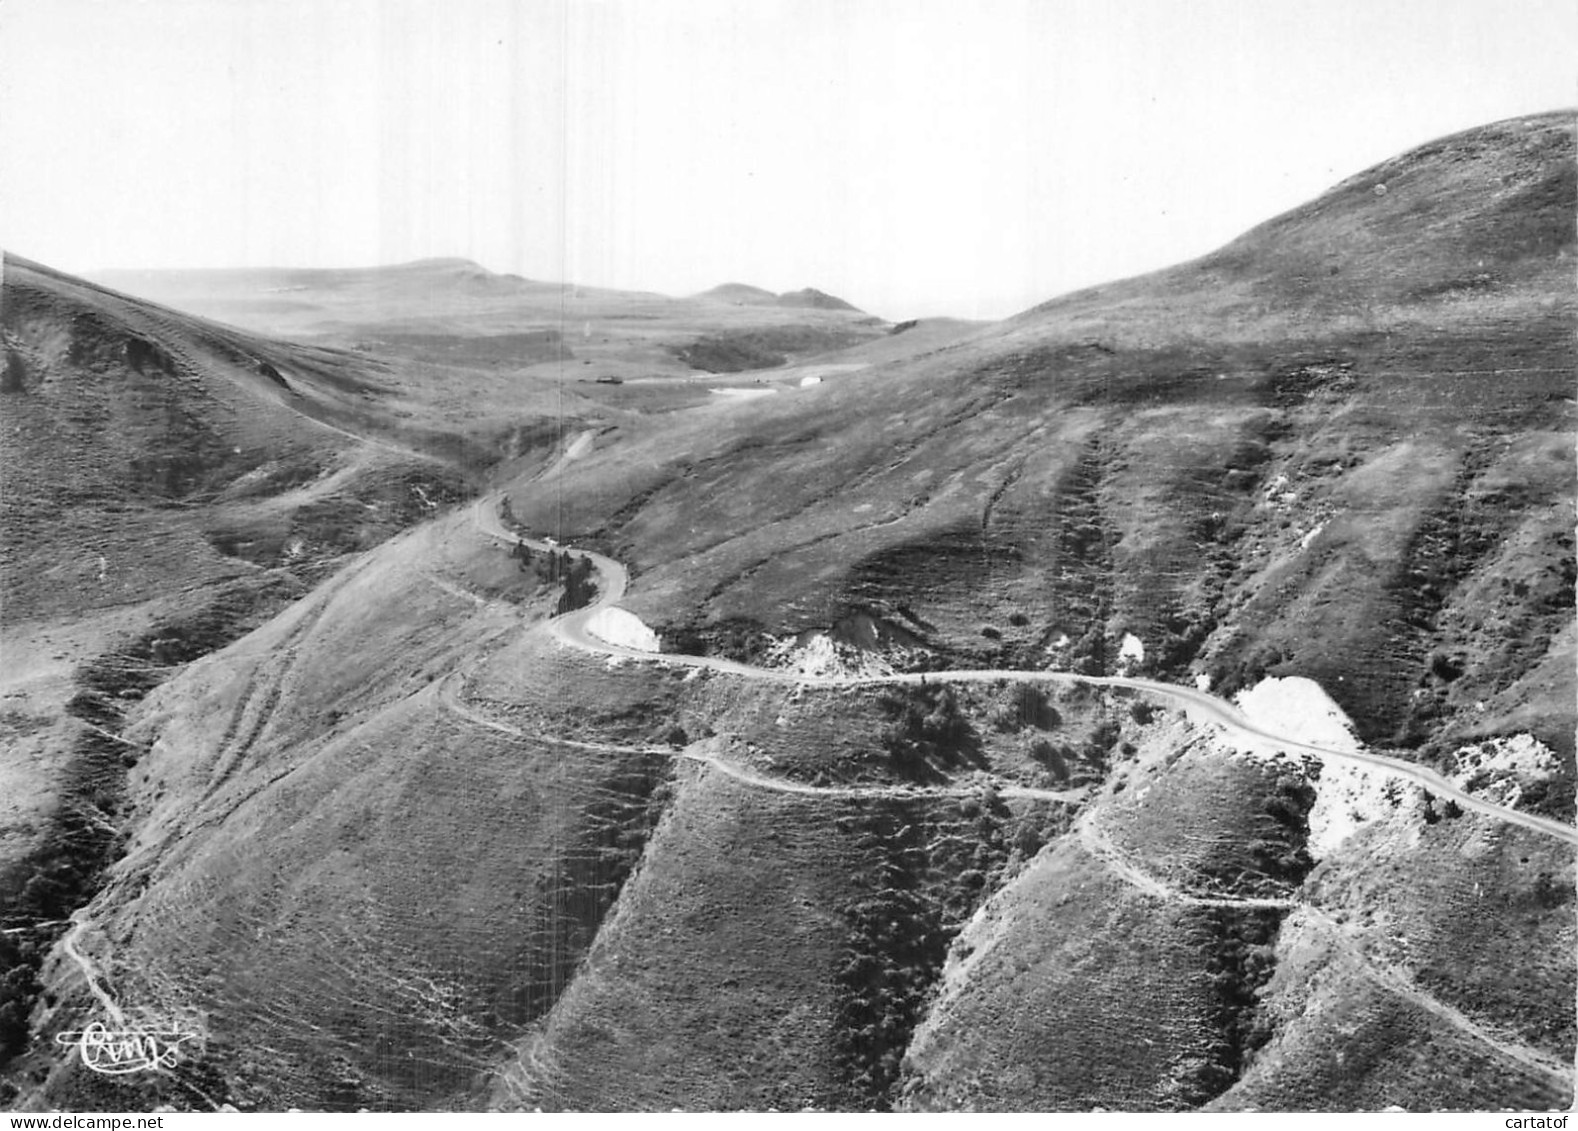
column 451, row 695
column 572, row 629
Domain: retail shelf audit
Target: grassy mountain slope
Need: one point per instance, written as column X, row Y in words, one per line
column 168, row 485
column 1341, row 448
column 398, row 849
column 1237, row 468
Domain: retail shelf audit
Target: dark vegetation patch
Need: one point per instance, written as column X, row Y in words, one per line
column 1453, row 540
column 741, row 639
column 765, row 348
column 926, row 732
column 929, row 867
column 14, row 377
column 1239, row 949
column 1023, row 705
column 558, row 567
column 896, row 948
column 1082, row 562
column 1071, row 762
column 1291, row 386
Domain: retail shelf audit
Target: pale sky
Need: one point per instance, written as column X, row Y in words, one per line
column 916, row 157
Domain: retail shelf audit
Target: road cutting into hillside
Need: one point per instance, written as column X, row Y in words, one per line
column 571, row 630
column 613, row 578
column 451, row 696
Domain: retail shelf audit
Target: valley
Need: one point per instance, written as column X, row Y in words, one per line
column 433, row 689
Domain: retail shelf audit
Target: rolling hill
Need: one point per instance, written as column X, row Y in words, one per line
column 403, row 846
column 456, row 313
column 813, row 299
column 740, row 294
column 807, row 298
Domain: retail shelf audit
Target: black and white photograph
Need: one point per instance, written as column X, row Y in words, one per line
column 788, row 556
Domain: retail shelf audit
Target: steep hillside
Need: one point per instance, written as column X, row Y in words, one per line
column 879, row 834
column 168, row 485
column 1379, row 502
column 1340, row 448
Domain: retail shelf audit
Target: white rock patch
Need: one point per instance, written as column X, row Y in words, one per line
column 624, row 629
column 1347, row 796
column 821, row 656
column 1301, row 709
column 1499, row 768
column 1132, row 650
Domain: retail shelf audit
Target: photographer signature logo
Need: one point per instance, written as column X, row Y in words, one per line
column 119, row 1052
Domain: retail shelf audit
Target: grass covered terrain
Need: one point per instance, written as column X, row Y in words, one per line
column 397, row 847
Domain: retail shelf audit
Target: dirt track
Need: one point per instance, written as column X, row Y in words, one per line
column 571, row 629
column 451, row 695
column 90, row 973
column 1093, row 839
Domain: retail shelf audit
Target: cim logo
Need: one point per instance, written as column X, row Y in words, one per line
column 120, row 1052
